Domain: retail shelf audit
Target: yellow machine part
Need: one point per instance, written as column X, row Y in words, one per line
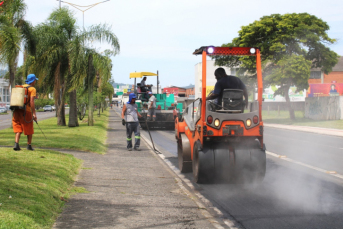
column 141, row 74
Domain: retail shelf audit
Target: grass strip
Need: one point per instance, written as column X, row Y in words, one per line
column 34, row 186
column 84, row 137
column 274, row 117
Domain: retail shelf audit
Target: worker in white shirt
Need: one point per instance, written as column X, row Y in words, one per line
column 152, row 107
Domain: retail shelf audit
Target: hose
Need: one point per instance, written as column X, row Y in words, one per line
column 146, row 123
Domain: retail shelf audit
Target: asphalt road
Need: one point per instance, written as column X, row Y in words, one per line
column 291, row 195
column 5, row 120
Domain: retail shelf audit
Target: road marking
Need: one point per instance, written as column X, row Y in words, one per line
column 332, row 173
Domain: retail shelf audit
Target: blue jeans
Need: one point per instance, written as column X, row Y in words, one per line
column 133, row 127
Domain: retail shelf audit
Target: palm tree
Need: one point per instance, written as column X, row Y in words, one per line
column 14, row 31
column 63, row 57
column 87, row 62
column 52, row 62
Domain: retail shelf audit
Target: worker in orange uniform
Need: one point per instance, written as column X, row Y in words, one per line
column 22, row 120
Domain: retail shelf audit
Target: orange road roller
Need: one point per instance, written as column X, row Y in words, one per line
column 221, row 141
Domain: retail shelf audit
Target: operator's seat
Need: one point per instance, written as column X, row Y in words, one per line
column 232, row 101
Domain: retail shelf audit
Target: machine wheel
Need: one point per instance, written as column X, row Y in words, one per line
column 203, row 164
column 250, row 162
column 184, row 154
column 225, row 158
column 239, row 162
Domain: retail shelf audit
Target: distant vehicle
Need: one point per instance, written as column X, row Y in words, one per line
column 3, row 110
column 53, row 108
column 7, row 107
column 47, row 108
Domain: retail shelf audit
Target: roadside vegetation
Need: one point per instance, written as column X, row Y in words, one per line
column 84, row 138
column 62, row 55
column 282, row 117
column 34, row 186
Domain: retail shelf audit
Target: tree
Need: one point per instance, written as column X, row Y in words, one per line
column 51, row 60
column 285, row 41
column 88, row 63
column 14, row 31
column 65, row 61
column 291, row 70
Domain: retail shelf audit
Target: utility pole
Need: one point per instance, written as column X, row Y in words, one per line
column 60, row 4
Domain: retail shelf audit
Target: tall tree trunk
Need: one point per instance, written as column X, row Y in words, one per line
column 90, row 76
column 12, row 68
column 72, row 110
column 59, row 98
column 289, row 105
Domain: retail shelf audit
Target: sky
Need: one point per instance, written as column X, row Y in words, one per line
column 162, row 34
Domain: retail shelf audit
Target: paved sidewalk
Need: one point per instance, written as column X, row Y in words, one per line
column 128, row 189
column 316, row 130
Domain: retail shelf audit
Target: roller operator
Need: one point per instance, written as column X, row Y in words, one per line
column 225, row 81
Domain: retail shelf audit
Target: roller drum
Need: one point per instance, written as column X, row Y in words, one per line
column 203, row 163
column 240, row 162
column 184, row 154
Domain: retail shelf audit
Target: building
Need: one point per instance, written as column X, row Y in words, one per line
column 321, row 84
column 177, row 91
column 190, row 90
column 336, row 76
column 5, row 91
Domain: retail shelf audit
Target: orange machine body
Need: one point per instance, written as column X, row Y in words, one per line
column 202, row 128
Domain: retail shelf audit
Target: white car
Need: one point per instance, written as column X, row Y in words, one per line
column 53, row 107
column 3, row 110
column 47, row 108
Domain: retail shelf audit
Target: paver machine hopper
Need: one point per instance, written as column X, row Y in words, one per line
column 220, row 140
column 166, row 108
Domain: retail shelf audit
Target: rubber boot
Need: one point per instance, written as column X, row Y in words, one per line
column 29, row 147
column 16, row 147
column 154, row 119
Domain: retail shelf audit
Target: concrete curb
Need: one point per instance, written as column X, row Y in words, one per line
column 309, row 129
